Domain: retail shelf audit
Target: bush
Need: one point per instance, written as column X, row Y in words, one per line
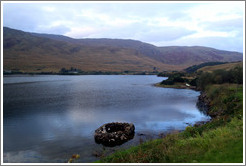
column 193, row 82
column 167, row 82
column 220, row 76
column 194, row 68
column 177, row 77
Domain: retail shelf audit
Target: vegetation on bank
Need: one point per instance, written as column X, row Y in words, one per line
column 220, row 76
column 202, row 79
column 75, row 71
column 226, row 66
column 194, row 68
column 217, row 141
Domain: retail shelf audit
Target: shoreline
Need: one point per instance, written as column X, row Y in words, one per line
column 203, row 102
column 175, row 86
column 57, row 74
column 215, row 133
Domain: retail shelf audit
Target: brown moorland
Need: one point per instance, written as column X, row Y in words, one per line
column 32, row 52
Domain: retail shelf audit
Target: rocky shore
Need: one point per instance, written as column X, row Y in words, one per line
column 204, row 104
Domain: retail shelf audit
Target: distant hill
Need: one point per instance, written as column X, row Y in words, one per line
column 194, row 68
column 226, row 66
column 197, row 55
column 33, row 52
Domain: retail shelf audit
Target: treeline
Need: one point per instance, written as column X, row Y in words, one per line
column 178, row 78
column 10, row 72
column 173, row 78
column 71, row 70
column 234, row 75
column 75, row 71
column 168, row 73
column 194, row 68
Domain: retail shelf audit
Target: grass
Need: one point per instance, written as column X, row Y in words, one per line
column 176, row 86
column 226, row 66
column 226, row 99
column 218, row 141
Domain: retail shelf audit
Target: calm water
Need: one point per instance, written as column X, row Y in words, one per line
column 50, row 118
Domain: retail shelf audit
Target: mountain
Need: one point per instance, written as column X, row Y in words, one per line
column 33, row 52
column 197, row 55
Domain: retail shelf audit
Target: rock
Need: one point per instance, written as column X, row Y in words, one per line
column 112, row 134
column 203, row 103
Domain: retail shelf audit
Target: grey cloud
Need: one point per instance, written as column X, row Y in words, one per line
column 66, row 16
column 140, row 31
column 180, row 15
column 165, row 34
column 124, row 32
column 223, row 43
column 224, row 25
column 54, row 30
column 19, row 16
column 27, row 17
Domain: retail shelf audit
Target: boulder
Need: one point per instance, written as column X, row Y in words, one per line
column 112, row 134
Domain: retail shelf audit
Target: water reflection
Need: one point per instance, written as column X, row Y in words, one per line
column 50, row 118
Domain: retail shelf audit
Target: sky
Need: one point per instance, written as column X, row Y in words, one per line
column 212, row 24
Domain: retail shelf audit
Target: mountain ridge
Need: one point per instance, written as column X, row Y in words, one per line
column 36, row 52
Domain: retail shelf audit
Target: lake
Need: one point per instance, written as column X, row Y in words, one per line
column 48, row 118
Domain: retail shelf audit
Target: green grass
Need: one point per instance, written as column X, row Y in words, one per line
column 226, row 99
column 219, row 141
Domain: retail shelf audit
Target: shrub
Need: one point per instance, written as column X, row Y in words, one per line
column 167, row 82
column 220, row 76
column 193, row 82
column 177, row 77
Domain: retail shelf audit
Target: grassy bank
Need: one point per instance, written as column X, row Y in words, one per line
column 176, row 86
column 218, row 141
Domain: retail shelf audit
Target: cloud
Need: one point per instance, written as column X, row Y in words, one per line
column 56, row 29
column 155, row 23
column 216, row 11
column 82, row 32
column 222, row 43
column 224, row 25
column 23, row 17
column 165, row 34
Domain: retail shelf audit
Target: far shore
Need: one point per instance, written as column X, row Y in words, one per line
column 83, row 73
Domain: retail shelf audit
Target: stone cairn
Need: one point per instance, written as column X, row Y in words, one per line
column 112, row 134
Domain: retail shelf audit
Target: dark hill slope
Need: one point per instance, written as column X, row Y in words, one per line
column 44, row 52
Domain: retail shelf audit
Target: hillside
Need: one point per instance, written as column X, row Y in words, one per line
column 227, row 66
column 197, row 55
column 32, row 52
